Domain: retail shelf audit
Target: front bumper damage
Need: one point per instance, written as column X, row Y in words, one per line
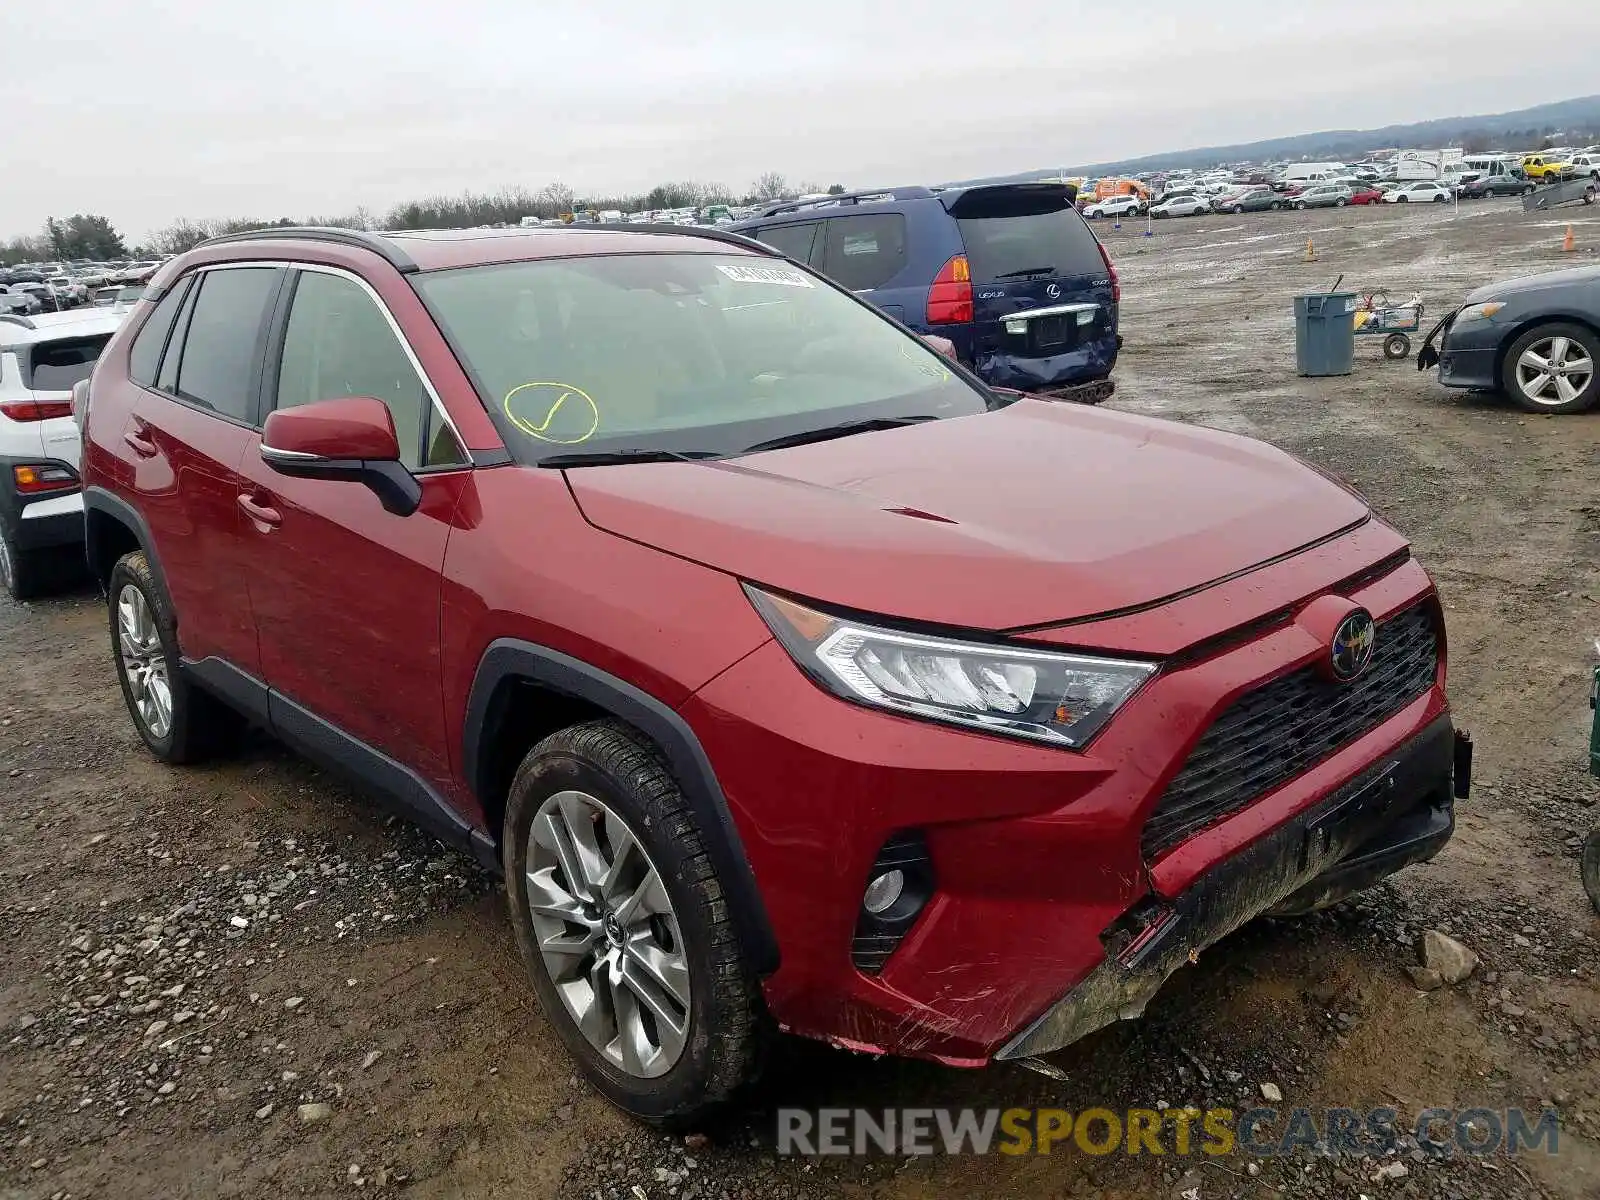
column 1398, row 812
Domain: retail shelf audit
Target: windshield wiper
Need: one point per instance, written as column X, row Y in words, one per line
column 843, row 429
column 608, row 458
column 1026, row 271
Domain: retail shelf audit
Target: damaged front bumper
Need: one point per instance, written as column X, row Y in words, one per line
column 1400, row 811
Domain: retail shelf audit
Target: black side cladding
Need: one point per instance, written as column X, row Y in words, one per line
column 1270, row 735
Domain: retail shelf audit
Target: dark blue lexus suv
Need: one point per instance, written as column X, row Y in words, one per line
column 1010, row 273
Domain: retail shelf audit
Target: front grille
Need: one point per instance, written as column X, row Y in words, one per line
column 1276, row 732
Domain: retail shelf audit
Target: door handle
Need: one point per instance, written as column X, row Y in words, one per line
column 265, row 516
column 140, row 443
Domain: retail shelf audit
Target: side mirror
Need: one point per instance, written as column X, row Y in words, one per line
column 942, row 344
column 351, row 439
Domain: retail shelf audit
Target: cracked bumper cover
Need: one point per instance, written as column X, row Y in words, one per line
column 1398, row 812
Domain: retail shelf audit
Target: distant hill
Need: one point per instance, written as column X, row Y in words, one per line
column 1524, row 128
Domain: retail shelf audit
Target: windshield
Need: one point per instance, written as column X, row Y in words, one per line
column 688, row 353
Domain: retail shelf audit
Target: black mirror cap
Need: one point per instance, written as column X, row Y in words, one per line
column 396, row 488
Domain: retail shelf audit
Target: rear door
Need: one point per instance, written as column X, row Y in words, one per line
column 183, row 442
column 1044, row 301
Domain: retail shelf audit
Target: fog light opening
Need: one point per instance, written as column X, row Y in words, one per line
column 883, row 891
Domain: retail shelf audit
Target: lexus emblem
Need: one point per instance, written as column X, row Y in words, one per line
column 1352, row 647
column 1053, row 291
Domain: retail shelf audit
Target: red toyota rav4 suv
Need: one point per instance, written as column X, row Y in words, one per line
column 792, row 677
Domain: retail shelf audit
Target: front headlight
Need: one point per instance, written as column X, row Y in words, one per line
column 1475, row 312
column 1063, row 699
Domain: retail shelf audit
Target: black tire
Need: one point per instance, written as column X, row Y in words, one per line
column 1396, row 346
column 1340, row 202
column 20, row 570
column 1300, row 205
column 727, row 1029
column 1238, row 209
column 1586, row 338
column 1590, row 867
column 1529, row 190
column 1441, row 199
column 200, row 726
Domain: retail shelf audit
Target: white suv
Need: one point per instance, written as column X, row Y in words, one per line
column 41, row 502
column 1114, row 206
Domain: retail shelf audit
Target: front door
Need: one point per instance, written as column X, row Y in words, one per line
column 346, row 595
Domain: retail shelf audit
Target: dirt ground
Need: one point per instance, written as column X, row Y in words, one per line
column 186, row 957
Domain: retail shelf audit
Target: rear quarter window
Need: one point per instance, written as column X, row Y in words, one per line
column 145, row 355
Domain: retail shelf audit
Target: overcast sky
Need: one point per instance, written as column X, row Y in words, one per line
column 266, row 108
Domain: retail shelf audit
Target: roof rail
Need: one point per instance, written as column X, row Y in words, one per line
column 863, row 196
column 17, row 319
column 377, row 243
column 709, row 232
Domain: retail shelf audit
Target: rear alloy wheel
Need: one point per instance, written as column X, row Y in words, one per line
column 179, row 722
column 624, row 926
column 1551, row 369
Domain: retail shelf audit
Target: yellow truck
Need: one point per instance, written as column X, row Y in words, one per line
column 1545, row 167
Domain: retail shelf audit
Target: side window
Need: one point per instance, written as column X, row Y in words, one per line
column 867, row 252
column 219, row 347
column 167, row 376
column 797, row 241
column 339, row 343
column 145, row 356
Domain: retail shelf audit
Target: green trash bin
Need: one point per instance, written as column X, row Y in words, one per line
column 1325, row 333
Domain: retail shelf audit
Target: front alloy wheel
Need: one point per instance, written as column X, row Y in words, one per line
column 625, row 925
column 608, row 934
column 1552, row 369
column 144, row 663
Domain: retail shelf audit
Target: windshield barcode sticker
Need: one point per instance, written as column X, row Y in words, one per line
column 740, row 273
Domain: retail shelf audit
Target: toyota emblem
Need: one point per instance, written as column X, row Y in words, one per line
column 1352, row 647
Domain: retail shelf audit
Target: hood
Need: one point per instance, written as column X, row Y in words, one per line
column 1031, row 515
column 1575, row 277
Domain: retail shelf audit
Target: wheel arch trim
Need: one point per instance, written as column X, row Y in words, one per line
column 508, row 661
column 108, row 504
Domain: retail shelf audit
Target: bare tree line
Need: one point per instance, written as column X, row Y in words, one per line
column 507, row 206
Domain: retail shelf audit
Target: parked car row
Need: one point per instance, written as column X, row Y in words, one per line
column 55, row 287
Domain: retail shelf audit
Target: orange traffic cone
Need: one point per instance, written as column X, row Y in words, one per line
column 1569, row 244
column 1311, row 251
